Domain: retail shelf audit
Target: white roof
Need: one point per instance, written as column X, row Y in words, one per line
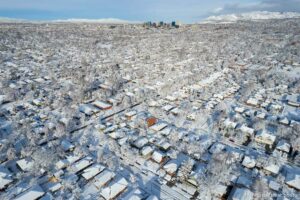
column 117, row 134
column 168, row 107
column 141, row 142
column 81, row 164
column 87, row 109
column 33, row 193
column 249, row 162
column 147, row 150
column 157, row 156
column 66, row 145
column 52, row 187
column 171, row 167
column 25, row 164
column 92, row 171
column 101, row 104
column 5, row 177
column 112, row 191
column 293, row 180
column 252, row 101
column 230, row 124
column 130, row 113
column 239, row 109
column 272, row 168
column 103, row 178
column 265, row 137
column 247, row 130
column 283, row 146
column 241, row 194
column 135, row 194
column 158, row 126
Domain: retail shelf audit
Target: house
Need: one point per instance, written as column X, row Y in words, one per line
column 52, row 186
column 67, row 146
column 158, row 156
column 283, row 146
column 158, row 126
column 284, row 121
column 103, row 178
column 245, row 129
column 293, row 180
column 117, row 134
column 81, row 164
column 253, row 102
column 102, row 105
column 241, row 194
column 243, row 181
column 92, row 171
column 25, row 164
column 265, row 138
column 171, row 167
column 230, row 124
column 115, row 189
column 135, row 194
column 168, row 108
column 249, row 162
column 191, row 117
column 141, row 142
column 151, row 121
column 88, row 109
column 5, row 177
column 239, row 110
column 261, row 115
column 293, row 100
column 147, row 150
column 220, row 191
column 274, row 186
column 163, row 145
column 33, row 193
column 129, row 115
column 272, row 168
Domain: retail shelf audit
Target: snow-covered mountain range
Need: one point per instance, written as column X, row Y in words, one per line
column 257, row 15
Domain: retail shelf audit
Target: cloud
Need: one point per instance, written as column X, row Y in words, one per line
column 263, row 5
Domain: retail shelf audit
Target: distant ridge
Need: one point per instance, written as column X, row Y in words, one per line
column 250, row 16
column 100, row 21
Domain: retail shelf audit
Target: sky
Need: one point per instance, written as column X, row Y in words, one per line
column 188, row 11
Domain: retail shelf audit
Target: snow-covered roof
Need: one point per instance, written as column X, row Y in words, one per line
column 103, row 178
column 293, row 180
column 88, row 109
column 247, row 130
column 230, row 124
column 265, row 137
column 171, row 167
column 283, row 146
column 158, row 156
column 141, row 142
column 147, row 150
column 115, row 189
column 249, row 162
column 159, row 126
column 241, row 194
column 66, row 145
column 92, row 171
column 102, row 105
column 5, row 177
column 33, row 193
column 25, row 164
column 273, row 168
column 82, row 164
column 253, row 101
